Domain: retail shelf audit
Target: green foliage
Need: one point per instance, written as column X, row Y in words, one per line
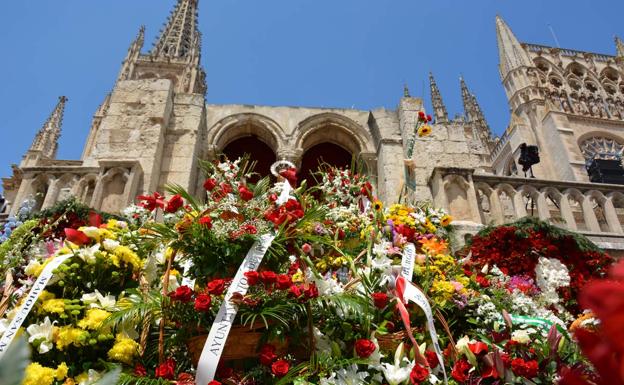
column 71, row 205
column 129, row 379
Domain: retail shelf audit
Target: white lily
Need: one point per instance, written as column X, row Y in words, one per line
column 44, row 333
column 395, row 373
column 97, row 300
column 88, row 254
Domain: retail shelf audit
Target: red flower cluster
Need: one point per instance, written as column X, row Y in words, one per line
column 516, row 252
column 460, row 370
column 290, row 174
column 268, row 357
column 287, row 213
column 380, row 300
column 524, row 368
column 216, row 286
column 157, row 200
column 423, row 118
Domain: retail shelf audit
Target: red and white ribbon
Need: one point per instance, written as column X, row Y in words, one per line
column 407, row 292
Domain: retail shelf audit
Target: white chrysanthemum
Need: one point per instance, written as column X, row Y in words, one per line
column 110, row 244
column 551, row 274
column 522, row 336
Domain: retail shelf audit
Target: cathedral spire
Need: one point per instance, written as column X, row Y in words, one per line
column 472, row 111
column 619, row 45
column 510, row 52
column 179, row 38
column 439, row 109
column 133, row 54
column 46, row 140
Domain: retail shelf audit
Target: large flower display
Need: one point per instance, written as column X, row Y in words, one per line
column 275, row 282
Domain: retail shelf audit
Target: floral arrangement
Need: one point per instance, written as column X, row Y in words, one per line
column 323, row 307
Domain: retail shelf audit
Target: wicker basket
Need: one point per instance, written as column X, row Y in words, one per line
column 243, row 342
column 389, row 342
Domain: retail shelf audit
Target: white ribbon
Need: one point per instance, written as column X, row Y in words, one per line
column 220, row 329
column 30, row 301
column 407, row 262
column 412, row 293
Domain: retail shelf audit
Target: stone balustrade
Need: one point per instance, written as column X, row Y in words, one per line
column 596, row 210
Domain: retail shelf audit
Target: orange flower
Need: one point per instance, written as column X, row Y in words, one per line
column 433, row 246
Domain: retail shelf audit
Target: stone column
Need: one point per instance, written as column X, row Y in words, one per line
column 24, row 191
column 614, row 223
column 590, row 216
column 518, row 202
column 51, row 194
column 496, row 208
column 471, row 194
column 542, row 207
column 566, row 213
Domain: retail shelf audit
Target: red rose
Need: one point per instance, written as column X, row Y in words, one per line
column 283, row 281
column 419, row 374
column 225, row 188
column 432, row 359
column 268, row 277
column 245, row 193
column 151, row 202
column 429, row 118
column 214, row 382
column 175, row 202
column 253, row 277
column 482, row 281
column 216, row 286
column 272, row 197
column 295, row 291
column 478, row 348
column 267, row 354
column 306, row 248
column 139, row 370
column 311, row 291
column 280, row 368
column 380, row 300
column 166, row 370
column 364, row 347
column 210, row 184
column 76, row 236
column 202, row 302
column 183, row 294
column 460, row 370
column 206, row 221
column 421, row 114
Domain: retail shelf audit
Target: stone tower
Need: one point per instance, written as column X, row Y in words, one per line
column 142, row 133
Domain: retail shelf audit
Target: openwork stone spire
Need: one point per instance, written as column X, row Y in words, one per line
column 180, row 37
column 619, row 46
column 46, row 140
column 510, row 52
column 473, row 112
column 439, row 109
column 133, row 53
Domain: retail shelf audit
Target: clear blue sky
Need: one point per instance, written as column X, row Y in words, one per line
column 332, row 53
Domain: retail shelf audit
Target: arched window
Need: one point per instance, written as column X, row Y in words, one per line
column 326, row 152
column 258, row 151
column 576, row 207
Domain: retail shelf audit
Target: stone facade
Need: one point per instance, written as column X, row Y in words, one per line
column 155, row 126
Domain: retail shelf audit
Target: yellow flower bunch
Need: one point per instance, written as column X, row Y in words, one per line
column 68, row 335
column 400, row 215
column 124, row 350
column 125, row 254
column 41, row 375
column 93, row 319
column 53, row 306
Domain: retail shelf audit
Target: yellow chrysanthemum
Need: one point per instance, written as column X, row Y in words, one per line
column 93, row 319
column 68, row 335
column 298, row 276
column 38, row 375
column 124, row 350
column 46, row 295
column 61, row 371
column 125, row 254
column 443, row 289
column 54, row 306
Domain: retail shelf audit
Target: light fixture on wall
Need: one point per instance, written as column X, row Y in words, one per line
column 529, row 156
